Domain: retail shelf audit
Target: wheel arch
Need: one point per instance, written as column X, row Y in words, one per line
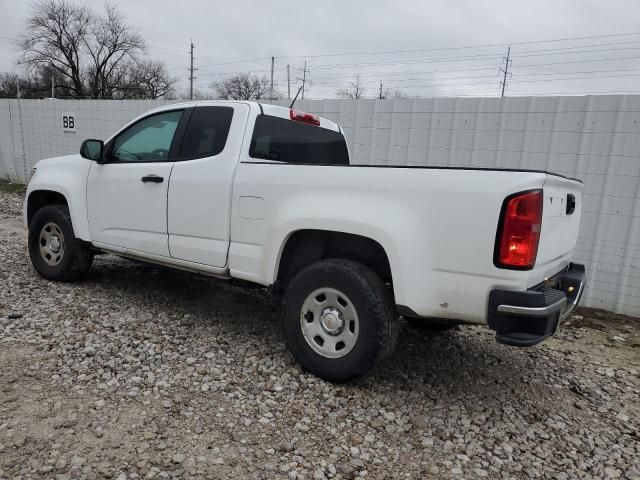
column 41, row 198
column 305, row 246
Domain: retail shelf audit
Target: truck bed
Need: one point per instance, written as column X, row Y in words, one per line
column 453, row 211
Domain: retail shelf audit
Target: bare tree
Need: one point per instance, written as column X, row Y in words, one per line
column 198, row 94
column 9, row 83
column 148, row 79
column 243, row 86
column 55, row 36
column 91, row 55
column 110, row 44
column 355, row 89
column 37, row 85
column 393, row 94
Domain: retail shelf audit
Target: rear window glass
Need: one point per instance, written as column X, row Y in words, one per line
column 207, row 132
column 295, row 142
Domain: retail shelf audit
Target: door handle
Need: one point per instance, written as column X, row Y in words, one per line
column 152, row 178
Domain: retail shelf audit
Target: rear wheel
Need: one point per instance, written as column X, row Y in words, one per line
column 338, row 319
column 55, row 252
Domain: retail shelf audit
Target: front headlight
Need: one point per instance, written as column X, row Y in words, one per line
column 33, row 171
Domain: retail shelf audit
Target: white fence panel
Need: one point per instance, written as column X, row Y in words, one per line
column 594, row 138
column 31, row 130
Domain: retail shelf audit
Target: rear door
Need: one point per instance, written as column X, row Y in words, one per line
column 200, row 188
column 560, row 220
column 127, row 195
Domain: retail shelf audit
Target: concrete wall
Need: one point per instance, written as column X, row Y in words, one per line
column 594, row 138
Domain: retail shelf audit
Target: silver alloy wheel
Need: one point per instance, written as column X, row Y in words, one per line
column 329, row 322
column 51, row 244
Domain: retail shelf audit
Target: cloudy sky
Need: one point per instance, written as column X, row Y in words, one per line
column 422, row 48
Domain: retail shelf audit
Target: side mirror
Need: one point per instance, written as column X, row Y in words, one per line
column 92, row 150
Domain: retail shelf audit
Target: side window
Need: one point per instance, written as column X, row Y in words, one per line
column 149, row 140
column 288, row 141
column 207, row 132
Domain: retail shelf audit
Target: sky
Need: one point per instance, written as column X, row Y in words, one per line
column 421, row 48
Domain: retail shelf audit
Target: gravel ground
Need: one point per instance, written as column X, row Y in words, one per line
column 138, row 372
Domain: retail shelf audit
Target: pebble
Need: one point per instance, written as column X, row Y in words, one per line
column 139, row 372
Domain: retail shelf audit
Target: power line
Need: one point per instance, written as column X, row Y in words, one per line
column 528, row 53
column 554, row 52
column 398, row 84
column 464, row 47
column 577, row 78
column 574, row 94
column 451, row 59
column 467, row 77
column 219, row 74
column 394, row 73
column 608, row 44
column 236, row 62
column 434, row 84
column 328, row 84
column 519, row 66
column 580, row 61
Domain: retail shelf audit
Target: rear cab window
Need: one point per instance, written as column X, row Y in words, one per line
column 207, row 132
column 289, row 141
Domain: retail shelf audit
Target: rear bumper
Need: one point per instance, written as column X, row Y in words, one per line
column 523, row 319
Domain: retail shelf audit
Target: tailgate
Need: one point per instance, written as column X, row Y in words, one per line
column 560, row 222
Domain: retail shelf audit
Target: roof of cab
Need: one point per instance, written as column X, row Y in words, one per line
column 267, row 109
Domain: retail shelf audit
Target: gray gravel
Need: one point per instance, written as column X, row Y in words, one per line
column 138, row 372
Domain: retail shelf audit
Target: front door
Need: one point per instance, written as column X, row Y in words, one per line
column 127, row 195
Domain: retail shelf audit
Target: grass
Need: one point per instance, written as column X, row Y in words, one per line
column 9, row 187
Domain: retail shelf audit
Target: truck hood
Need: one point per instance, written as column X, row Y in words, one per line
column 60, row 174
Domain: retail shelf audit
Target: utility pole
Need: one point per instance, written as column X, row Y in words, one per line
column 288, row 84
column 18, row 85
column 191, row 70
column 304, row 78
column 53, row 89
column 381, row 97
column 273, row 60
column 505, row 70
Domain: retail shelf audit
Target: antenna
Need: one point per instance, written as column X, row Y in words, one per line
column 296, row 97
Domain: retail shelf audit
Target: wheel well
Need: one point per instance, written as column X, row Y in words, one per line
column 42, row 198
column 305, row 247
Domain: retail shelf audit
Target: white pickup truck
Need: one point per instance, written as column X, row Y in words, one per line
column 266, row 194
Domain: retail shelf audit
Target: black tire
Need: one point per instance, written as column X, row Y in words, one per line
column 76, row 256
column 432, row 325
column 376, row 317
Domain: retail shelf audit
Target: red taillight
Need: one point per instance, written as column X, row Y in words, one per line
column 519, row 231
column 304, row 117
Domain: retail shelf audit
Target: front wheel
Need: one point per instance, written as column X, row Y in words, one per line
column 338, row 319
column 55, row 252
